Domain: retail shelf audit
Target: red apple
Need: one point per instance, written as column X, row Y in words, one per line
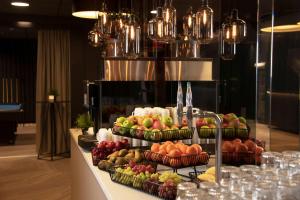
column 259, row 150
column 239, row 147
column 227, row 147
column 201, row 122
column 157, row 125
column 251, row 145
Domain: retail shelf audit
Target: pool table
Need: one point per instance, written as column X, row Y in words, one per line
column 9, row 118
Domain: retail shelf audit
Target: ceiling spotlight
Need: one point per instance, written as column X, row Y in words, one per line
column 24, row 24
column 154, row 12
column 282, row 28
column 20, row 3
column 86, row 14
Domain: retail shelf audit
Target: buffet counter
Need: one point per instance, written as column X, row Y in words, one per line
column 88, row 182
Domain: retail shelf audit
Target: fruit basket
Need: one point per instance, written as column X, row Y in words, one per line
column 105, row 148
column 227, row 133
column 239, row 153
column 178, row 162
column 232, row 127
column 154, row 135
column 151, row 184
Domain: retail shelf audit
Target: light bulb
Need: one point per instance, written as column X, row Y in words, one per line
column 227, row 34
column 204, row 17
column 167, row 15
column 233, row 30
column 160, row 29
column 132, row 32
column 190, row 21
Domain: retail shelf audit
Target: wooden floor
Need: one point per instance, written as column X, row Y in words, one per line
column 23, row 177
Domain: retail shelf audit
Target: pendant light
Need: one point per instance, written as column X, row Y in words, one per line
column 204, row 23
column 169, row 17
column 95, row 36
column 228, row 49
column 132, row 38
column 239, row 28
column 189, row 25
column 158, row 26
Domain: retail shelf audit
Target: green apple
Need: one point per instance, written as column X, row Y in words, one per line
column 243, row 120
column 168, row 121
column 127, row 124
column 133, row 130
column 121, row 119
column 210, row 120
column 148, row 122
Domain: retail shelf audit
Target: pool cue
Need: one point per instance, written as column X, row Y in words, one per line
column 11, row 91
column 3, row 90
column 17, row 90
column 6, row 89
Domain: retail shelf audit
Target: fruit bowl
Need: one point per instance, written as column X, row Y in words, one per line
column 227, row 133
column 177, row 162
column 154, row 135
column 105, row 148
column 238, row 153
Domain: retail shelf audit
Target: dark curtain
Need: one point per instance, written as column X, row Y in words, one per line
column 18, row 74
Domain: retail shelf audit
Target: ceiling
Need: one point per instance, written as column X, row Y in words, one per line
column 39, row 7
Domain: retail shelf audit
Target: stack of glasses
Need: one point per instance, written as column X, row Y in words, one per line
column 278, row 178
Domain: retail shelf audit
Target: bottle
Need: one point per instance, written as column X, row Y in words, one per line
column 179, row 104
column 189, row 105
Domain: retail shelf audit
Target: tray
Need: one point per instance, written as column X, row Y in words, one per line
column 240, row 158
column 178, row 162
column 147, row 186
column 227, row 133
column 154, row 136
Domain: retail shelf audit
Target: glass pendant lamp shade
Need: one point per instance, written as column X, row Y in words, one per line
column 151, row 28
column 189, row 24
column 103, row 19
column 95, row 36
column 226, row 32
column 204, row 23
column 228, row 48
column 158, row 26
column 239, row 28
column 169, row 21
column 132, row 38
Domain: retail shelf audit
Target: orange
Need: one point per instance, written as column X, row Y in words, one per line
column 170, row 147
column 174, row 153
column 168, row 142
column 155, row 147
column 183, row 148
column 162, row 152
column 191, row 150
column 198, row 147
column 163, row 147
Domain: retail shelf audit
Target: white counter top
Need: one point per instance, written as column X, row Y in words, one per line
column 112, row 191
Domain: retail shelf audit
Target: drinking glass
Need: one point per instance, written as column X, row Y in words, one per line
column 265, row 190
column 183, row 187
column 291, row 154
column 249, row 169
column 268, row 159
column 226, row 171
column 294, row 167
